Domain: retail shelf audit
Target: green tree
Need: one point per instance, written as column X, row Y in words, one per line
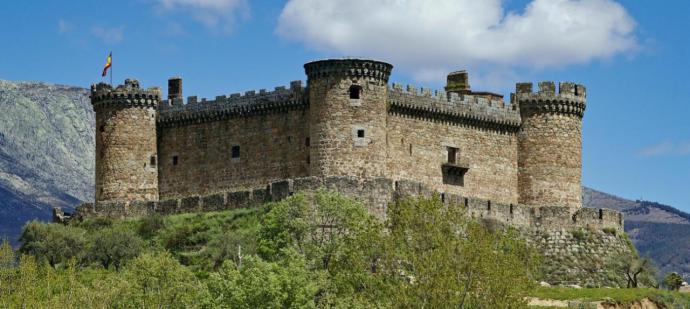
column 158, row 280
column 54, row 243
column 673, row 281
column 261, row 284
column 339, row 239
column 114, row 246
column 436, row 258
column 231, row 245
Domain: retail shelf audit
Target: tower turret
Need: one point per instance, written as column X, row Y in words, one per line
column 126, row 156
column 550, row 144
column 348, row 102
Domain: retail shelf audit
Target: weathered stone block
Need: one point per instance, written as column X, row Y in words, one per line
column 307, row 184
column 168, row 207
column 261, row 196
column 213, row 202
column 239, row 199
column 281, row 189
column 190, row 204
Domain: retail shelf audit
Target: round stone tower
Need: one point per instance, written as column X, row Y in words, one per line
column 348, row 104
column 126, row 156
column 550, row 144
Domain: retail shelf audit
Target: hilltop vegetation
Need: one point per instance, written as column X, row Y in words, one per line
column 306, row 252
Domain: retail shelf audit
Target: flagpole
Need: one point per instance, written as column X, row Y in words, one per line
column 111, row 69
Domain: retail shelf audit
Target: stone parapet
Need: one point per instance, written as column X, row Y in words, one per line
column 127, row 95
column 569, row 100
column 374, row 193
column 469, row 109
column 281, row 99
column 360, row 68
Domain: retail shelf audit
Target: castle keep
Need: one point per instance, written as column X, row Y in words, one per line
column 349, row 130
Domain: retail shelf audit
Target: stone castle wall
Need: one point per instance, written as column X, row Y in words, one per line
column 550, row 144
column 126, row 142
column 374, row 193
column 421, row 126
column 348, row 134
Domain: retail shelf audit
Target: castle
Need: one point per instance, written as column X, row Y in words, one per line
column 349, row 130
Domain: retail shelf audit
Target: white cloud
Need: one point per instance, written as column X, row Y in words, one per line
column 109, row 35
column 421, row 36
column 64, row 26
column 666, row 148
column 215, row 14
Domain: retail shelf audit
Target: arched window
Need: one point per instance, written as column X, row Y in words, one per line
column 355, row 92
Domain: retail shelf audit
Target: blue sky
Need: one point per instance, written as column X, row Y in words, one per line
column 632, row 55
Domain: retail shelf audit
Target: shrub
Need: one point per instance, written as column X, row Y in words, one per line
column 113, row 247
column 673, row 281
column 579, row 235
column 159, row 281
column 54, row 243
column 150, row 225
column 610, row 231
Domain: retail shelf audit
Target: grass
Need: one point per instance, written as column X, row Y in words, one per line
column 621, row 296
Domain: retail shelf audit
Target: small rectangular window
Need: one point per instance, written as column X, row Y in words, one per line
column 152, row 161
column 307, row 142
column 355, row 91
column 174, row 160
column 360, row 133
column 452, row 154
column 235, row 152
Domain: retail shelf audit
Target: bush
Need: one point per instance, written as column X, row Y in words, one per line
column 178, row 238
column 579, row 235
column 673, row 281
column 610, row 231
column 260, row 284
column 113, row 247
column 96, row 223
column 54, row 243
column 159, row 281
column 150, row 225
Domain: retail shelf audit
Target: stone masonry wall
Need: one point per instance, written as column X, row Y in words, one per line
column 417, row 149
column 550, row 144
column 125, row 142
column 421, row 126
column 271, row 147
column 336, row 119
column 374, row 193
column 581, row 256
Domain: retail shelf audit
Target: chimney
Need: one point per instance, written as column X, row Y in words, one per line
column 175, row 88
column 459, row 82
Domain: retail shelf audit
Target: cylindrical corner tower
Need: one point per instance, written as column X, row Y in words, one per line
column 550, row 144
column 126, row 147
column 348, row 109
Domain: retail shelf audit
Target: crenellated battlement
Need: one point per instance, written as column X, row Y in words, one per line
column 570, row 99
column 129, row 94
column 480, row 109
column 360, row 68
column 375, row 193
column 175, row 111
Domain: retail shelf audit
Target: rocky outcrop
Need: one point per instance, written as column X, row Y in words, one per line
column 46, row 151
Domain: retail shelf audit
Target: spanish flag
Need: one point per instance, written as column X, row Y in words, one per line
column 108, row 63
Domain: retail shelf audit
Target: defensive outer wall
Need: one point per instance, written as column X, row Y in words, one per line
column 517, row 163
column 578, row 248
